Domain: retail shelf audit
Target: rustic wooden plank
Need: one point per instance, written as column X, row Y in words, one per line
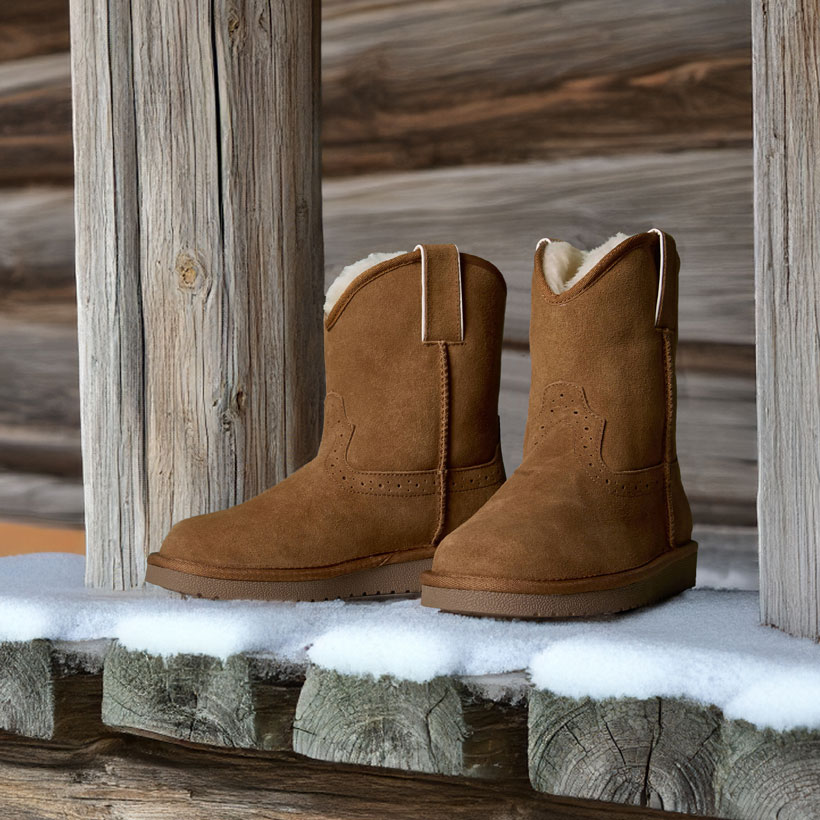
column 763, row 774
column 703, row 198
column 36, row 241
column 199, row 283
column 198, row 699
column 35, row 121
column 672, row 754
column 124, row 776
column 787, row 244
column 672, row 79
column 30, row 449
column 41, row 498
column 33, row 27
column 440, row 727
column 658, row 753
column 40, row 359
column 26, row 696
column 527, row 81
column 716, row 430
column 727, row 556
column 51, row 692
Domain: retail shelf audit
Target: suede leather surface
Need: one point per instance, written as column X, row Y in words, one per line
column 410, row 446
column 598, row 491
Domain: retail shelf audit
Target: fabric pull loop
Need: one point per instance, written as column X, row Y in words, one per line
column 442, row 297
column 666, row 306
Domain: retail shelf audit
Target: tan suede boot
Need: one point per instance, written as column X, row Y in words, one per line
column 595, row 520
column 410, row 447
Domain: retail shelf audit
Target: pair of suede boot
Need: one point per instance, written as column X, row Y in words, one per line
column 408, row 488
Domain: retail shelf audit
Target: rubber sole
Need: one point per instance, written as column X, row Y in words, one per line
column 389, row 580
column 671, row 578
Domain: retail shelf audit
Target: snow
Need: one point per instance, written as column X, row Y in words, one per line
column 705, row 645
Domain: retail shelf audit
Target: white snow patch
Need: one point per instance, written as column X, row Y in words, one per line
column 704, row 645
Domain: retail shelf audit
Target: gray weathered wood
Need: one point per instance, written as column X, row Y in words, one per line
column 703, row 198
column 787, row 230
column 672, row 754
column 526, row 85
column 198, row 699
column 441, row 727
column 531, row 80
column 763, row 773
column 114, row 776
column 717, row 441
column 26, row 690
column 35, row 120
column 32, row 28
column 41, row 498
column 199, row 259
column 50, row 692
column 36, row 241
column 658, row 753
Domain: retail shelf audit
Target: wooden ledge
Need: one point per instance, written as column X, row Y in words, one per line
column 657, row 753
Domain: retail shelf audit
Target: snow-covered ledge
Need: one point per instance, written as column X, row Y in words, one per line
column 689, row 706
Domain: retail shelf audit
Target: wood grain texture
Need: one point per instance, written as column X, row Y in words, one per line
column 198, row 699
column 41, row 498
column 526, row 84
column 35, row 121
column 672, row 754
column 50, row 692
column 38, row 356
column 199, row 260
column 420, row 84
column 764, row 774
column 29, row 28
column 440, row 727
column 118, row 776
column 26, row 689
column 658, row 753
column 787, row 208
column 703, row 198
column 716, row 418
column 36, row 242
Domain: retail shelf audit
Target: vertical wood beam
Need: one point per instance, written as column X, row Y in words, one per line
column 786, row 51
column 199, row 260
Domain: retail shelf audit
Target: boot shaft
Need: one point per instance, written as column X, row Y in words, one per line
column 614, row 333
column 413, row 346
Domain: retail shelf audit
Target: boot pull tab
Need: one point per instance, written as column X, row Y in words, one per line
column 666, row 306
column 442, row 300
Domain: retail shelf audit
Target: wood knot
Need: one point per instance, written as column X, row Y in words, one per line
column 189, row 272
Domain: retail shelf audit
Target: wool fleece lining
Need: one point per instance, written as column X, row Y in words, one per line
column 350, row 272
column 565, row 265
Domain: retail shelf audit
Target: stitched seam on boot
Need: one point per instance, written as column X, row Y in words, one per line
column 667, row 434
column 394, row 483
column 587, row 427
column 444, row 437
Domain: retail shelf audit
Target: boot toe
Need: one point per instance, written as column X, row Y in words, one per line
column 191, row 541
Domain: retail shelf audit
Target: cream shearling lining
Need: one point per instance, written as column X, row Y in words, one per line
column 350, row 272
column 565, row 265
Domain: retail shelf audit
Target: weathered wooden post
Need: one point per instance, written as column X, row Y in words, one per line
column 199, row 260
column 786, row 42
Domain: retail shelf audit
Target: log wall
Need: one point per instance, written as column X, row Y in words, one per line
column 529, row 133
